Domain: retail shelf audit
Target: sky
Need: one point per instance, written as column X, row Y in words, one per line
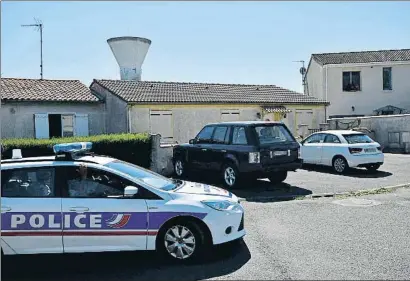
column 216, row 42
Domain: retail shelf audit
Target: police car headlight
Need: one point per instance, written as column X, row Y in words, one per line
column 223, row 205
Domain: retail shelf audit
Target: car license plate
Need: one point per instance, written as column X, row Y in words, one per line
column 278, row 153
column 370, row 150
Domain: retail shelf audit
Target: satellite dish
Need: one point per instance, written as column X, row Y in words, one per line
column 302, row 70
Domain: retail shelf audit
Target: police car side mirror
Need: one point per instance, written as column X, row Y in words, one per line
column 130, row 191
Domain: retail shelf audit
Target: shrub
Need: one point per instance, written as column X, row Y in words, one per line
column 133, row 148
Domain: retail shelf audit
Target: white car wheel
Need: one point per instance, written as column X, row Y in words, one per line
column 340, row 165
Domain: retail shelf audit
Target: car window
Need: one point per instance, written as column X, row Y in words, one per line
column 83, row 181
column 357, row 138
column 205, row 134
column 331, row 139
column 316, row 138
column 153, row 179
column 219, row 134
column 31, row 182
column 239, row 136
column 273, row 134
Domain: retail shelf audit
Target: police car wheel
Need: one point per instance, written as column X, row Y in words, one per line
column 181, row 241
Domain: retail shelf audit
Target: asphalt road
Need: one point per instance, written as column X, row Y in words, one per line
column 318, row 180
column 302, row 239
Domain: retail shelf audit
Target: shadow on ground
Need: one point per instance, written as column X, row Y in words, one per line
column 128, row 266
column 257, row 190
column 352, row 172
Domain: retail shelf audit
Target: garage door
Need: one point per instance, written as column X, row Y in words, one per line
column 229, row 115
column 304, row 117
column 161, row 123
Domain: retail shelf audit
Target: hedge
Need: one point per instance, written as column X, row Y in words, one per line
column 133, row 148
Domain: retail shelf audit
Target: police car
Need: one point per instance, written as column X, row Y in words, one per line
column 76, row 202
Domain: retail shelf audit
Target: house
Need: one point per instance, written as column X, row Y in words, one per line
column 361, row 83
column 177, row 111
column 34, row 108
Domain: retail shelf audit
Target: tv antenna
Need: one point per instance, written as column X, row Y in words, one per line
column 38, row 27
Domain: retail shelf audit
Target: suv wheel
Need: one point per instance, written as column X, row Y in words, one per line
column 340, row 165
column 181, row 241
column 230, row 175
column 278, row 177
column 179, row 168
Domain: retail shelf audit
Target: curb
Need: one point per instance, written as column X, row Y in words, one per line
column 321, row 195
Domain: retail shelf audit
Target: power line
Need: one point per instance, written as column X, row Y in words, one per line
column 39, row 27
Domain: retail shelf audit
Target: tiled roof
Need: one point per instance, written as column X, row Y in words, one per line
column 16, row 89
column 363, row 57
column 181, row 92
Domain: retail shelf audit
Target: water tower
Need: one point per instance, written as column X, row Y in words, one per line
column 130, row 54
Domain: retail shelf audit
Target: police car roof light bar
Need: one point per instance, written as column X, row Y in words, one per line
column 66, row 151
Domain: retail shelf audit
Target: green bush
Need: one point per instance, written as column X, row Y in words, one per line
column 133, row 148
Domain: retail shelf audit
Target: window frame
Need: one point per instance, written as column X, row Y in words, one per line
column 391, row 79
column 56, row 181
column 332, row 135
column 344, row 89
column 224, row 141
column 233, row 132
column 143, row 193
column 198, row 140
column 313, row 135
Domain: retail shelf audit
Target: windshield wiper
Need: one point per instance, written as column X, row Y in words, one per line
column 177, row 182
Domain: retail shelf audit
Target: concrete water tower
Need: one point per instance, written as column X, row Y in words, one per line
column 130, row 54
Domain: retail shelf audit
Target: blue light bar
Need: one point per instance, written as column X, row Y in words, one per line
column 73, row 147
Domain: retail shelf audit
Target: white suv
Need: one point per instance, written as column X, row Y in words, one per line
column 80, row 202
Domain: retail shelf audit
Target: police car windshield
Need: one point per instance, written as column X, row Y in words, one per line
column 150, row 178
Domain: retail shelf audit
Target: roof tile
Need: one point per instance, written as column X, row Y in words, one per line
column 363, row 57
column 182, row 92
column 17, row 89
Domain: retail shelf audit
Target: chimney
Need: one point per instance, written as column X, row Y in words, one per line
column 130, row 54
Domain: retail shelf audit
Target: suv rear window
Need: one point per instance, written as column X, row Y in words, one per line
column 269, row 134
column 357, row 138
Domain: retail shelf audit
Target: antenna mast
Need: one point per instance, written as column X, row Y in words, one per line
column 302, row 71
column 39, row 27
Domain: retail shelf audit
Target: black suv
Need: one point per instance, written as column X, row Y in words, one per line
column 246, row 150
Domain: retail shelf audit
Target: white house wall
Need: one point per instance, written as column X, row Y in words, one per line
column 188, row 121
column 314, row 78
column 17, row 119
column 372, row 95
column 116, row 111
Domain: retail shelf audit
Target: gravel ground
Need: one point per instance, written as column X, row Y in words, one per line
column 308, row 239
column 318, row 180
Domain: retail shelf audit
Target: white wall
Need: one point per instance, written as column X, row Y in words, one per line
column 315, row 81
column 371, row 95
column 188, row 121
column 17, row 119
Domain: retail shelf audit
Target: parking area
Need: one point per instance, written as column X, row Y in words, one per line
column 320, row 239
column 319, row 180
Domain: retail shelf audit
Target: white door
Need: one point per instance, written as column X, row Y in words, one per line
column 229, row 115
column 41, row 126
column 161, row 123
column 97, row 217
column 331, row 146
column 311, row 149
column 81, row 125
column 31, row 211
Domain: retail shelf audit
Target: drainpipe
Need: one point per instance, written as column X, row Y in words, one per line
column 129, row 118
column 326, row 94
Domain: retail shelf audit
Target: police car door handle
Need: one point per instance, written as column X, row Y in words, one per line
column 79, row 209
column 5, row 209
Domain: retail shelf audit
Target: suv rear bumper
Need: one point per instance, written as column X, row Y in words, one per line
column 261, row 169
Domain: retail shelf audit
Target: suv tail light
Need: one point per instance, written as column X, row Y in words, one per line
column 354, row 150
column 254, row 157
column 299, row 155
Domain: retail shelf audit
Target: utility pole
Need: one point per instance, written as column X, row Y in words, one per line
column 39, row 26
column 302, row 71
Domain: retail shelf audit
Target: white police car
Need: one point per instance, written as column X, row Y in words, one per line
column 80, row 202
